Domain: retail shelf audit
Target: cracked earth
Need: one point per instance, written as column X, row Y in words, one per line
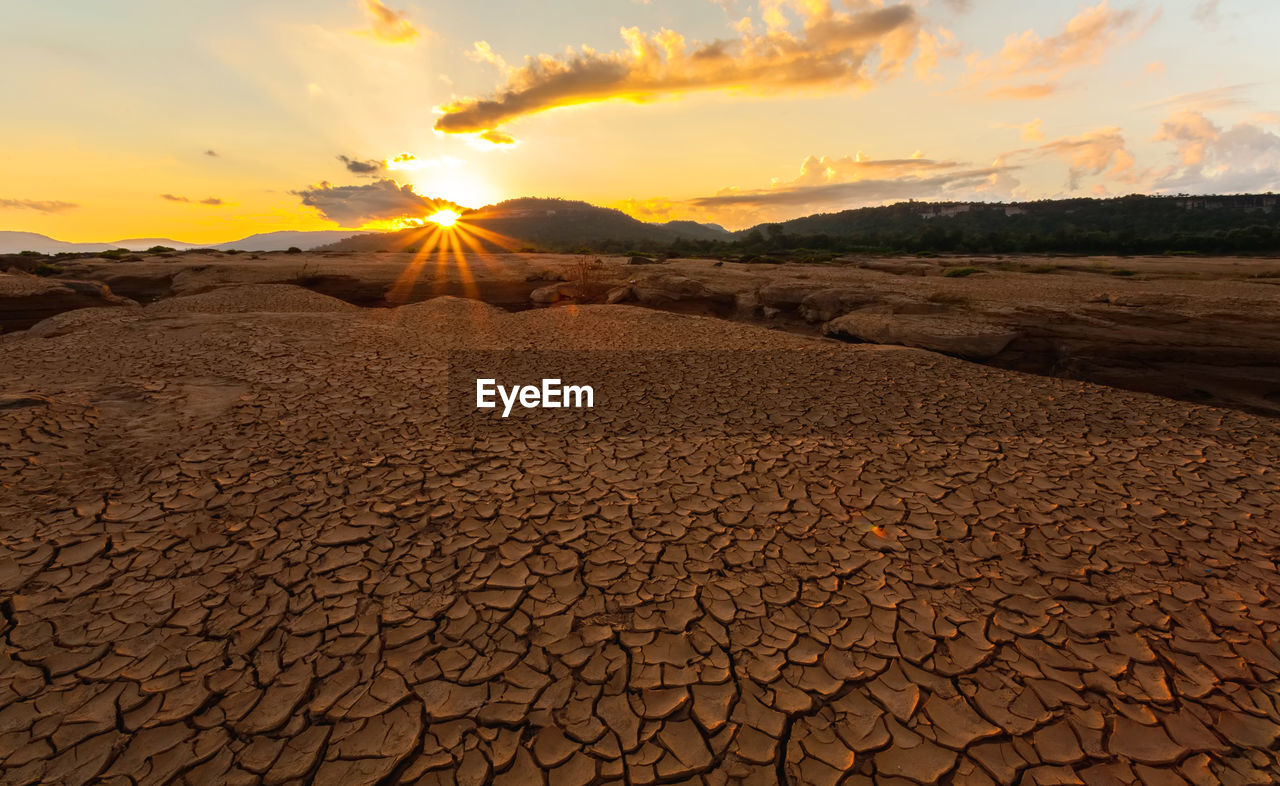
column 249, row 548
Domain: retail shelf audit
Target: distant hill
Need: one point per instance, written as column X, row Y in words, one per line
column 695, row 231
column 282, row 241
column 17, row 242
column 550, row 224
column 1129, row 224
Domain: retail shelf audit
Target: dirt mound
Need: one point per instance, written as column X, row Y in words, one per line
column 245, row 298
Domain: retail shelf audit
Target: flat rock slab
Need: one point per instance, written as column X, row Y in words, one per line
column 246, row 546
column 966, row 336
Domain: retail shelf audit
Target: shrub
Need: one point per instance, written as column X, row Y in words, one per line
column 1042, row 269
column 960, row 272
column 45, row 269
column 293, row 250
column 160, row 250
column 1122, row 271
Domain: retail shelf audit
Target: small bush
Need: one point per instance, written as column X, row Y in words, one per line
column 293, row 250
column 160, row 250
column 1122, row 271
column 960, row 272
column 30, row 254
column 1043, row 269
column 45, row 269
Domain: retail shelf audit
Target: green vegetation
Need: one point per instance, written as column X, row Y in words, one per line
column 160, row 250
column 45, row 269
column 293, row 250
column 961, row 272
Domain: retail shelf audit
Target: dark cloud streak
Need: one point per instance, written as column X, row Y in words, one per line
column 39, row 205
column 355, row 206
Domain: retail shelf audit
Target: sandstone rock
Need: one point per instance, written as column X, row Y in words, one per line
column 827, row 304
column 968, row 336
column 620, row 295
column 553, row 293
column 26, row 300
column 667, row 288
column 787, row 294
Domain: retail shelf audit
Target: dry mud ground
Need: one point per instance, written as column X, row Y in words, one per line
column 259, row 548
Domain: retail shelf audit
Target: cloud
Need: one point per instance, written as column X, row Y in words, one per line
column 1211, row 159
column 1206, row 12
column 835, row 49
column 1084, row 40
column 497, row 138
column 211, row 153
column 933, row 47
column 355, row 206
column 39, row 205
column 1214, row 98
column 386, row 25
column 854, row 193
column 358, row 167
column 210, row 201
column 482, row 52
column 1099, row 152
column 826, row 183
column 1023, row 92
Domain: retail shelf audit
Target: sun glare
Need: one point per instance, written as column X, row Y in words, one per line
column 445, row 218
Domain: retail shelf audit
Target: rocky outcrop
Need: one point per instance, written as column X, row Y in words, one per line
column 787, row 295
column 26, row 300
column 553, row 293
column 967, row 336
column 620, row 295
column 827, row 304
column 668, row 290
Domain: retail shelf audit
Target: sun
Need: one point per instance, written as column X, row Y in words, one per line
column 445, row 218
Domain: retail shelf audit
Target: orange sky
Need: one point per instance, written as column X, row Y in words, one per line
column 134, row 119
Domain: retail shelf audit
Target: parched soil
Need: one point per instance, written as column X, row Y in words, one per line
column 259, row 545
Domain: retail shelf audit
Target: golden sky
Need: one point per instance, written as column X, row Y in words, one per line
column 208, row 122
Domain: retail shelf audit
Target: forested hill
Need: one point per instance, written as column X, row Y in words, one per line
column 1131, row 224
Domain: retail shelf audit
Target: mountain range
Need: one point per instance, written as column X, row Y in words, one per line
column 17, row 242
